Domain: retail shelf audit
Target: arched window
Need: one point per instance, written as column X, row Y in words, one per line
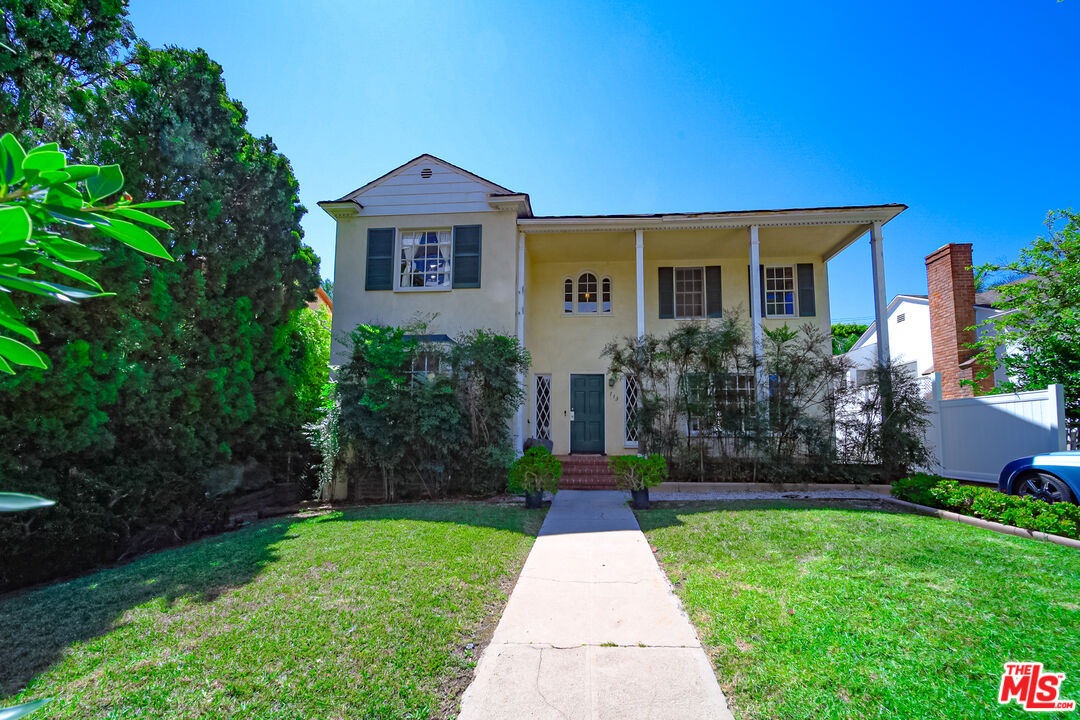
column 586, row 293
column 605, row 295
column 568, row 295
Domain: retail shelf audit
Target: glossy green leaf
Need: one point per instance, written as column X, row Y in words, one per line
column 139, row 216
column 56, row 291
column 81, row 172
column 70, row 272
column 45, row 148
column 134, row 236
column 13, row 160
column 65, row 196
column 15, row 226
column 156, row 204
column 22, row 354
column 20, row 711
column 68, row 250
column 5, row 367
column 44, row 161
column 17, row 502
column 108, row 181
column 15, row 325
column 53, row 177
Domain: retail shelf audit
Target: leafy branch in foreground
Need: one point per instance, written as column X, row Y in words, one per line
column 42, row 199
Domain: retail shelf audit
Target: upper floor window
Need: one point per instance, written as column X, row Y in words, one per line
column 780, row 291
column 593, row 294
column 689, row 292
column 425, row 259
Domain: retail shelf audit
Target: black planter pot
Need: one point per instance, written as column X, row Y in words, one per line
column 534, row 500
column 641, row 499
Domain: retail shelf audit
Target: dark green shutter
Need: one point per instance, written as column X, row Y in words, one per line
column 380, row 259
column 466, row 256
column 714, row 300
column 666, row 287
column 807, row 298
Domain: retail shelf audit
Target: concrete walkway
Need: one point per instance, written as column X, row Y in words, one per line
column 593, row 629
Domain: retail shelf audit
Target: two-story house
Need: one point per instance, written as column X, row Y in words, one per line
column 430, row 238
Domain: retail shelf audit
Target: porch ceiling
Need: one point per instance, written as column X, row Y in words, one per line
column 820, row 232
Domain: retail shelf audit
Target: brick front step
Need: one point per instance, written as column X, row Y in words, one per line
column 586, row 472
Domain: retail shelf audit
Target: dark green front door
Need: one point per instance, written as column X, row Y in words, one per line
column 586, row 413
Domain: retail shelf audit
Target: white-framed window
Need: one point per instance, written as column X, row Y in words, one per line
column 631, row 402
column 689, row 292
column 593, row 294
column 427, row 364
column 424, row 258
column 780, row 291
column 726, row 393
column 587, row 287
column 542, row 407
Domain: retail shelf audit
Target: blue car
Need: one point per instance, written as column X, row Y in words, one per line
column 1053, row 477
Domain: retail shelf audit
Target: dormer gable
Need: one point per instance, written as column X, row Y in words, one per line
column 424, row 185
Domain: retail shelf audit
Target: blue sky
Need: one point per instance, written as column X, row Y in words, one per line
column 965, row 111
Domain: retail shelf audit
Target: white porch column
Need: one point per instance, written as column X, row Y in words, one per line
column 519, row 421
column 756, row 310
column 639, row 255
column 881, row 303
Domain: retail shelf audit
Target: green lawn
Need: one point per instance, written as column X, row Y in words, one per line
column 361, row 614
column 811, row 612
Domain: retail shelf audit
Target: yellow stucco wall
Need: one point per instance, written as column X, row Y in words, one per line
column 492, row 305
column 564, row 344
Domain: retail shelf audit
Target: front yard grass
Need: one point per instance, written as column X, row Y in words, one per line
column 817, row 612
column 359, row 614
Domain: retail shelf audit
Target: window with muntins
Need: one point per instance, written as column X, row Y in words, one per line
column 542, row 411
column 586, row 293
column 425, row 260
column 568, row 295
column 689, row 292
column 631, row 401
column 605, row 295
column 780, row 291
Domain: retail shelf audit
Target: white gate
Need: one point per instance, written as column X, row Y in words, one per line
column 973, row 438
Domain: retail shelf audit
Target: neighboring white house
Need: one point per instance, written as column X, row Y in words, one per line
column 910, row 340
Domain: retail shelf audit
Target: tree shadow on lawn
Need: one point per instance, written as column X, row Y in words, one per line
column 37, row 625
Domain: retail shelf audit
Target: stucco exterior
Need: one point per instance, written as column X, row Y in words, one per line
column 525, row 260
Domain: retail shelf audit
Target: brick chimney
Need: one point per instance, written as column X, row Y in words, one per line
column 951, row 286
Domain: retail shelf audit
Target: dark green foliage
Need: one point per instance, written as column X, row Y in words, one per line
column 636, row 472
column 536, row 470
column 990, row 504
column 714, row 413
column 845, row 335
column 409, row 418
column 193, row 366
column 1041, row 325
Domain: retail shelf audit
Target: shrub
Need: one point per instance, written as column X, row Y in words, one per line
column 534, row 471
column 990, row 504
column 635, row 472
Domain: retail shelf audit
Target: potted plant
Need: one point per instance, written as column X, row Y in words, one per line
column 533, row 473
column 637, row 474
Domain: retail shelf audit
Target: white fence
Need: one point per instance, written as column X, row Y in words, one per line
column 973, row 438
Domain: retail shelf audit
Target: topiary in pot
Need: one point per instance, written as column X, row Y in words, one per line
column 637, row 474
column 533, row 473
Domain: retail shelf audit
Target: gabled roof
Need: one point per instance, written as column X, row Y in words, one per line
column 862, row 341
column 493, row 188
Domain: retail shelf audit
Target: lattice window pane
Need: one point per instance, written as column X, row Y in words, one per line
column 631, row 401
column 586, row 293
column 568, row 295
column 543, row 407
column 425, row 259
column 779, row 291
column 689, row 292
column 605, row 295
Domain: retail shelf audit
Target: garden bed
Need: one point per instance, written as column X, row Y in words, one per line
column 370, row 612
column 814, row 611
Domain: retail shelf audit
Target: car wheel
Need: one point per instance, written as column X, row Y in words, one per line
column 1044, row 486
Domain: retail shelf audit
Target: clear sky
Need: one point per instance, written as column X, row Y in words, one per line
column 965, row 111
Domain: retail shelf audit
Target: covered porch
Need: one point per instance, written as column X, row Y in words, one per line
column 648, row 273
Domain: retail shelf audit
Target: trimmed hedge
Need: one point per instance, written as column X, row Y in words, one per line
column 990, row 504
